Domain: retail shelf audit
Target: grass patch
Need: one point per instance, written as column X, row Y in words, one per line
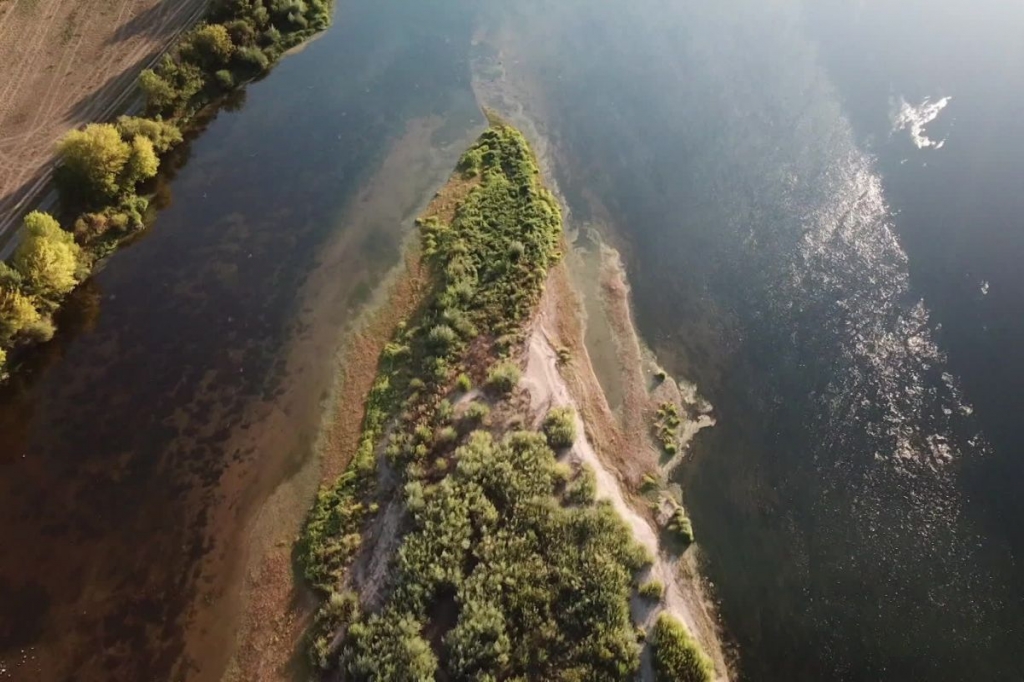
column 675, row 655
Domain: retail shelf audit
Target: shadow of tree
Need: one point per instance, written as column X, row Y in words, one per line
column 154, row 22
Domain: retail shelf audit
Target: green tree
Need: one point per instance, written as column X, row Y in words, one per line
column 16, row 313
column 47, row 257
column 162, row 134
column 142, row 162
column 160, row 93
column 212, row 45
column 92, row 161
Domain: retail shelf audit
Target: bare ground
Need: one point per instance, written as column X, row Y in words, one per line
column 64, row 63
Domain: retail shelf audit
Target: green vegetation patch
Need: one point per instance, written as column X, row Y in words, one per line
column 539, row 590
column 560, row 427
column 479, row 292
column 666, row 427
column 675, row 656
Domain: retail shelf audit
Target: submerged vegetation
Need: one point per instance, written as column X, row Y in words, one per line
column 102, row 166
column 505, row 567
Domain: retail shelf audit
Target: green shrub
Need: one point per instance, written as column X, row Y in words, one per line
column 442, row 338
column 675, row 656
column 251, row 60
column 337, row 611
column 225, row 79
column 464, row 383
column 502, row 378
column 680, row 525
column 476, row 413
column 652, row 589
column 560, row 427
column 583, row 490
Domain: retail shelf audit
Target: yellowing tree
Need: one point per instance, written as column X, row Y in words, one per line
column 91, row 161
column 97, row 163
column 142, row 163
column 47, row 256
column 213, row 43
column 3, row 363
column 16, row 313
column 162, row 134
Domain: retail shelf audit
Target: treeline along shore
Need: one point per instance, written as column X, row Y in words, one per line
column 103, row 168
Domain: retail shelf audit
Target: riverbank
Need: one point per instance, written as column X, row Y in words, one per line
column 103, row 172
column 274, row 611
column 65, row 63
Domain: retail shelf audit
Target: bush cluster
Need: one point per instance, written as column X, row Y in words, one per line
column 675, row 656
column 560, row 427
column 46, row 265
column 239, row 40
column 666, row 427
column 541, row 589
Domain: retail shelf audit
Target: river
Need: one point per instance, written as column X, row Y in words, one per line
column 820, row 208
column 818, row 205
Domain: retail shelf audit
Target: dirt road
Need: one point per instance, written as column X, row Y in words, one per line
column 64, row 63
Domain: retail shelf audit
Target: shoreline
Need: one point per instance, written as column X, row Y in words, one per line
column 561, row 323
column 274, row 607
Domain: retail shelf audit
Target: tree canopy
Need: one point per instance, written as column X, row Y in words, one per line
column 98, row 164
column 47, row 256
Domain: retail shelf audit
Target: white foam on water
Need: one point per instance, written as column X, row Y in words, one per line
column 915, row 118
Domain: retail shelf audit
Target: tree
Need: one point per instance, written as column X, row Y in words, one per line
column 16, row 313
column 46, row 257
column 162, row 134
column 91, row 162
column 212, row 45
column 142, row 162
column 3, row 365
column 160, row 94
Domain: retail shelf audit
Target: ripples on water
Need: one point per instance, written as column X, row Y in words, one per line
column 765, row 260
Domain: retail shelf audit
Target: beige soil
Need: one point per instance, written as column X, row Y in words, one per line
column 68, row 62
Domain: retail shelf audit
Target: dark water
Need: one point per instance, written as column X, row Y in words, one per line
column 849, row 300
column 122, row 488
